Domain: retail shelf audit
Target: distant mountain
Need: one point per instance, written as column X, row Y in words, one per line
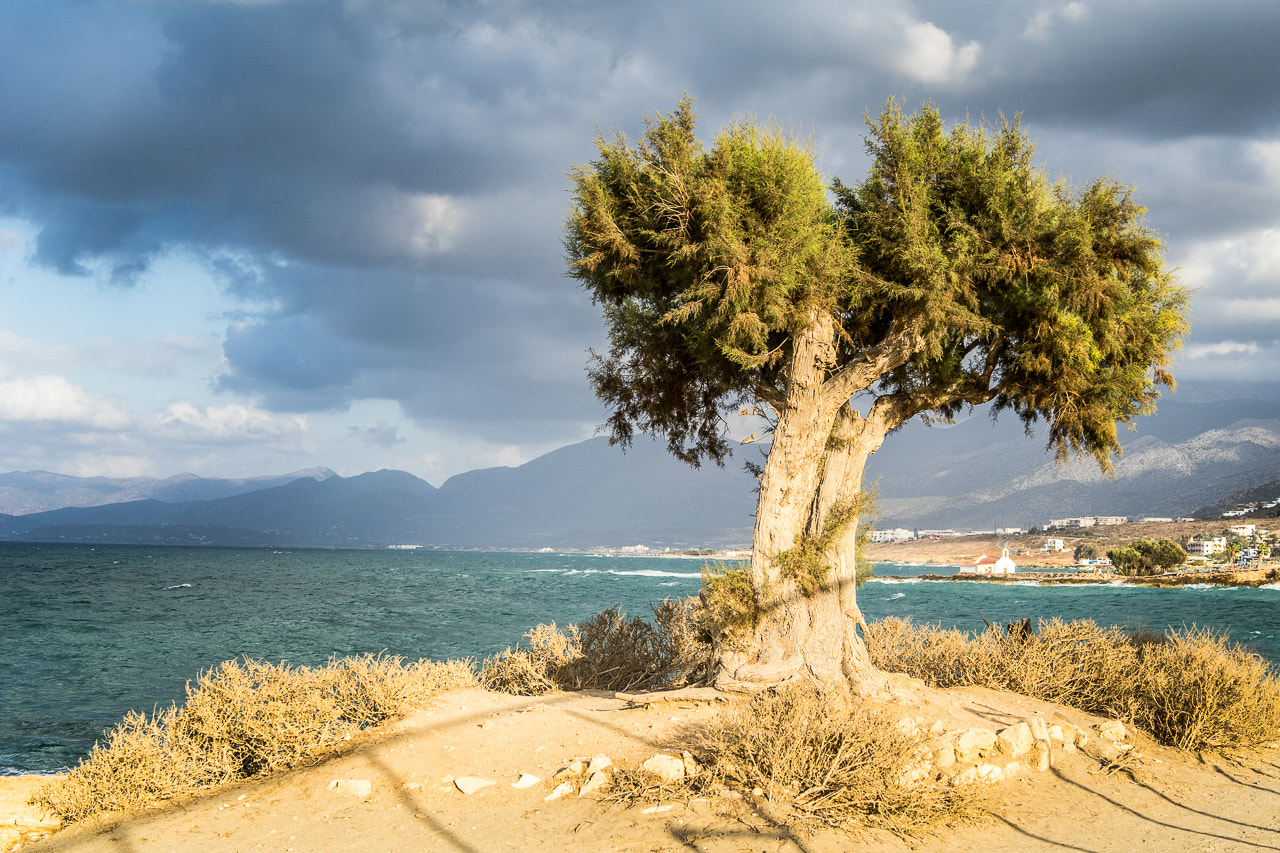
column 1208, row 443
column 585, row 495
column 23, row 492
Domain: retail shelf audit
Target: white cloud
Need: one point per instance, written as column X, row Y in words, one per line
column 1220, row 348
column 1039, row 25
column 929, row 55
column 187, row 422
column 54, row 399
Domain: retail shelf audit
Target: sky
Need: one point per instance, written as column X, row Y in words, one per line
column 245, row 237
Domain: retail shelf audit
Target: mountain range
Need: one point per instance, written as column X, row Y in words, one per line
column 1206, row 444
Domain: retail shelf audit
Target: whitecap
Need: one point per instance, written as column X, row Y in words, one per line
column 895, row 580
column 179, row 586
column 896, row 596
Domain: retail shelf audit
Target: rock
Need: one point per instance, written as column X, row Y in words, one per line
column 989, row 773
column 526, row 780
column 1112, row 730
column 354, row 787
column 564, row 789
column 666, row 767
column 1039, row 729
column 1055, row 733
column 1015, row 740
column 470, row 784
column 944, row 756
column 972, row 744
column 1043, row 756
column 413, row 786
column 599, row 762
column 598, row 782
column 1014, row 769
column 658, row 809
column 691, row 765
column 575, row 768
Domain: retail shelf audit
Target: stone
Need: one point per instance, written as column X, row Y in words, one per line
column 353, row 787
column 944, row 756
column 1015, row 740
column 1112, row 730
column 691, row 766
column 526, row 780
column 1043, row 756
column 972, row 744
column 666, row 767
column 989, row 773
column 599, row 762
column 564, row 789
column 575, row 768
column 1055, row 733
column 1014, row 769
column 470, row 784
column 1039, row 729
column 598, row 782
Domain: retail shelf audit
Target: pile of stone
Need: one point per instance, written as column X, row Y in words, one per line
column 986, row 755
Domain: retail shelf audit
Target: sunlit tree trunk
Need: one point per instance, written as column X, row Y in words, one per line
column 811, row 479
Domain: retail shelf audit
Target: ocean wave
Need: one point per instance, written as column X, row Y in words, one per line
column 895, row 580
column 641, row 573
column 179, row 586
column 896, row 596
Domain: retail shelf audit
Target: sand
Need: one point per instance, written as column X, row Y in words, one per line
column 1182, row 802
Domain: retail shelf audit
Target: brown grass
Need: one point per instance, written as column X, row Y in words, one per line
column 1190, row 689
column 609, row 651
column 844, row 767
column 243, row 719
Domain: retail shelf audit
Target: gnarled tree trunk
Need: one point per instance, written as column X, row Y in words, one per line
column 811, row 482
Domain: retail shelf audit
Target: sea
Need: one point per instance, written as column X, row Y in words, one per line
column 88, row 633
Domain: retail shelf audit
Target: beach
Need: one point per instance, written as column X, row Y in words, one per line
column 1179, row 801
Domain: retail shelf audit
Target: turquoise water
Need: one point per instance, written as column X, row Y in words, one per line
column 90, row 633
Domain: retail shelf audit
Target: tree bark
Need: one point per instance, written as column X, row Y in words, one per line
column 811, row 476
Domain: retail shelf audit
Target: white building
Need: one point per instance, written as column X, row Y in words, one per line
column 985, row 565
column 896, row 534
column 1244, row 531
column 1053, row 545
column 1198, row 547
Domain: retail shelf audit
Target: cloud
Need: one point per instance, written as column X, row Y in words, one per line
column 378, row 186
column 41, row 399
column 930, row 56
column 381, row 434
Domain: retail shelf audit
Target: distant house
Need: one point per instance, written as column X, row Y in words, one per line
column 1053, row 545
column 985, row 565
column 896, row 534
column 1244, row 531
column 1207, row 546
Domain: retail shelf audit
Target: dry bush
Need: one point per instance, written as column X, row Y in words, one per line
column 845, row 769
column 1190, row 689
column 242, row 719
column 609, row 651
column 1197, row 691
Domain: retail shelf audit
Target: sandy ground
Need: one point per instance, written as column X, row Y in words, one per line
column 1181, row 802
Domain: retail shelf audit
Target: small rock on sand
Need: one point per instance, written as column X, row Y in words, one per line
column 470, row 784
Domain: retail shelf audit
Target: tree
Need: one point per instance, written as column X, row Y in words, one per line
column 1085, row 551
column 955, row 274
column 1146, row 557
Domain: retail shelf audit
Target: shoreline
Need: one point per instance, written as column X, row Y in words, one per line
column 1253, row 578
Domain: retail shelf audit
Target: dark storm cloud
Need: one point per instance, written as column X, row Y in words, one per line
column 382, row 181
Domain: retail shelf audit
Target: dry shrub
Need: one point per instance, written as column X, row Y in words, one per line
column 834, row 762
column 609, row 651
column 1197, row 691
column 243, row 719
column 1190, row 689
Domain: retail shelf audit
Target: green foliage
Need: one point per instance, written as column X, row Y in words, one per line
column 954, row 274
column 730, row 598
column 1085, row 551
column 703, row 262
column 1147, row 557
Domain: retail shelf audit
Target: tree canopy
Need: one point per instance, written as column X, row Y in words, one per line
column 954, row 274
